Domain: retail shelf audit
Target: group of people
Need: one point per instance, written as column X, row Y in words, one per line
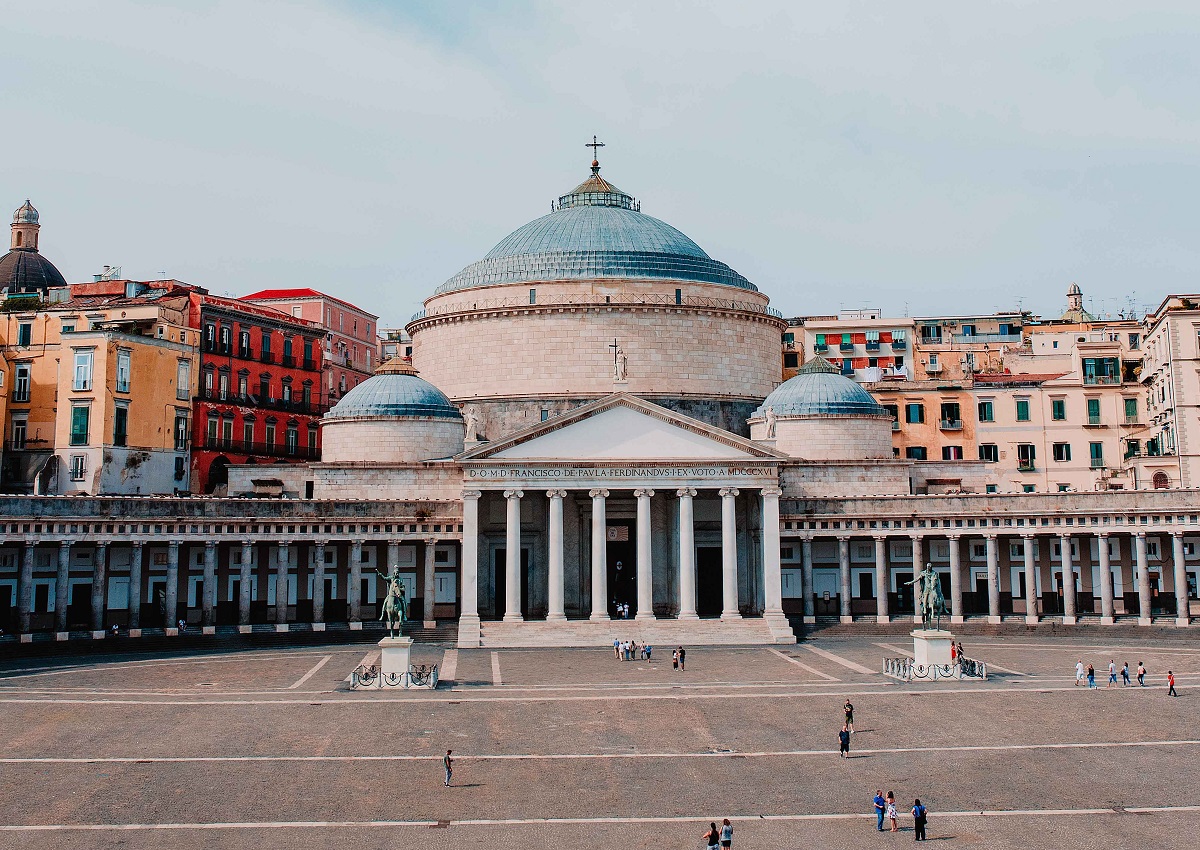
column 1088, row 674
column 629, row 650
column 721, row 836
column 622, row 609
column 885, row 808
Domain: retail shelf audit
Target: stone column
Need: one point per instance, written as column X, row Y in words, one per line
column 171, row 595
column 245, row 583
column 881, row 580
column 956, row 580
column 512, row 558
column 806, row 578
column 844, row 574
column 729, row 600
column 1068, row 581
column 1182, row 608
column 917, row 559
column 599, row 556
column 99, row 588
column 25, row 590
column 555, row 580
column 318, row 592
column 993, row 578
column 62, row 589
column 281, row 585
column 1031, row 594
column 354, row 591
column 645, row 570
column 208, row 613
column 135, row 589
column 1143, row 578
column 687, row 554
column 772, row 568
column 468, row 618
column 430, row 583
column 1107, row 608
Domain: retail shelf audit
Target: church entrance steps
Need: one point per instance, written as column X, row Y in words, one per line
column 584, row 633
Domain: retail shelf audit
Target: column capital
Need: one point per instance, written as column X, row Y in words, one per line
column 1141, row 534
column 729, row 492
column 1177, row 533
column 282, row 544
column 174, row 544
column 643, row 493
column 210, row 544
column 686, row 492
column 246, row 543
column 880, row 538
column 471, row 494
column 137, row 544
column 771, row 492
column 1028, row 535
column 912, row 535
column 1101, row 535
column 598, row 493
column 556, row 494
column 65, row 544
column 101, row 544
column 954, row 535
column 320, row 543
column 432, row 541
column 513, row 494
column 843, row 538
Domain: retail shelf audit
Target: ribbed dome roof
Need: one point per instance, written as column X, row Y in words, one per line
column 25, row 214
column 818, row 390
column 595, row 231
column 395, row 390
column 25, row 270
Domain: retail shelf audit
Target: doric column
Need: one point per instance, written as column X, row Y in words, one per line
column 512, row 558
column 1107, row 608
column 99, row 588
column 62, row 587
column 135, row 589
column 354, row 591
column 844, row 575
column 207, row 611
column 281, row 585
column 171, row 595
column 1182, row 612
column 993, row 577
column 772, row 569
column 729, row 596
column 1031, row 594
column 470, row 563
column 245, row 583
column 318, row 591
column 882, row 585
column 956, row 579
column 430, row 583
column 555, row 579
column 806, row 578
column 1143, row 578
column 25, row 589
column 917, row 557
column 645, row 571
column 687, row 554
column 599, row 556
column 1068, row 581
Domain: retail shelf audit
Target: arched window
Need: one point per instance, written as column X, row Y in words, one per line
column 1161, row 481
column 19, row 236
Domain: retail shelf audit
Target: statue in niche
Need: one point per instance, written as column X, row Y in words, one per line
column 771, row 418
column 471, row 418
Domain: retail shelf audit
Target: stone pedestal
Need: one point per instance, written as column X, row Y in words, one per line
column 932, row 647
column 208, row 630
column 394, row 653
column 135, row 633
column 356, row 625
column 62, row 635
column 318, row 627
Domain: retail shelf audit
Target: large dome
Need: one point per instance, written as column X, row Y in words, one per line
column 25, row 270
column 394, row 391
column 596, row 231
column 818, row 390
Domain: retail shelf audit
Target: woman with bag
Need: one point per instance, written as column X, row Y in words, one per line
column 920, row 818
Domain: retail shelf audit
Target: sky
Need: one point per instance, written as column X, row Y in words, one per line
column 922, row 158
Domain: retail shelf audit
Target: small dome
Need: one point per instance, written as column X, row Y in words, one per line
column 25, row 214
column 818, row 390
column 1074, row 289
column 395, row 391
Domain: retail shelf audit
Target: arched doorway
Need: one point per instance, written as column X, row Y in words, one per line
column 1161, row 480
column 218, row 474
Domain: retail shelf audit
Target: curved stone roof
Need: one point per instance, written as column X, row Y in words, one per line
column 395, row 391
column 25, row 270
column 818, row 390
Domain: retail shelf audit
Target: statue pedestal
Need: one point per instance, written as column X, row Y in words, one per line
column 932, row 647
column 394, row 653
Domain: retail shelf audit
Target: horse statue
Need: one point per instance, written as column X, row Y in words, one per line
column 928, row 589
column 394, row 604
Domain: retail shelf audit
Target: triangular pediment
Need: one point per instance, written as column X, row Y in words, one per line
column 621, row 427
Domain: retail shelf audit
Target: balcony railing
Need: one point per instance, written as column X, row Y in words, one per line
column 266, row 357
column 242, row 447
column 933, row 368
column 895, row 424
column 1008, row 339
column 1097, row 463
column 289, row 360
column 872, row 345
column 820, row 347
column 1132, row 420
column 1101, row 379
column 1026, row 466
column 951, row 424
column 288, row 406
column 310, row 365
column 1093, row 422
column 899, row 344
column 845, row 345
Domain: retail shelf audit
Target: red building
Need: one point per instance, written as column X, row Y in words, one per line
column 260, row 397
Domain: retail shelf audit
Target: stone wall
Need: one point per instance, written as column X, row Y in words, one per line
column 416, row 481
column 385, row 439
column 844, row 479
column 830, row 437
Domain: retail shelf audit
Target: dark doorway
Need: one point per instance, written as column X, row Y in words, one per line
column 904, row 594
column 7, row 609
column 621, row 556
column 218, row 473
column 866, row 586
column 79, row 608
column 500, row 583
column 41, row 598
column 708, row 581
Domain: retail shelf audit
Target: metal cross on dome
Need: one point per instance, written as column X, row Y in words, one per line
column 595, row 146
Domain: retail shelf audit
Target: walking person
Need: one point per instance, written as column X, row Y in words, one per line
column 891, row 811
column 849, row 709
column 844, row 743
column 726, row 834
column 1091, row 676
column 617, row 648
column 953, row 653
column 880, row 809
column 448, row 764
column 1171, row 684
column 920, row 818
column 649, row 649
column 1112, row 672
column 674, row 659
column 1141, row 674
column 1125, row 682
column 682, row 658
column 1078, row 672
column 712, row 838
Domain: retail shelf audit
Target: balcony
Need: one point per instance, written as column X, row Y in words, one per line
column 218, row 444
column 266, row 357
column 1097, row 463
column 951, row 425
column 872, row 345
column 895, row 424
column 1004, row 339
column 899, row 344
column 1092, row 380
column 1026, row 466
column 1093, row 422
column 287, row 406
column 245, row 353
column 310, row 365
column 845, row 345
column 289, row 361
column 934, row 368
column 1132, row 421
column 820, row 348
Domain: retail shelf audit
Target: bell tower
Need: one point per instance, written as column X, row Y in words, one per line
column 25, row 228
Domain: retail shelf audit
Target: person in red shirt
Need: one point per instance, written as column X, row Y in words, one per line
column 1171, row 684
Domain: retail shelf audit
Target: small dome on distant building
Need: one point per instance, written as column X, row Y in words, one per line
column 25, row 214
column 395, row 390
column 23, row 269
column 818, row 389
column 1075, row 312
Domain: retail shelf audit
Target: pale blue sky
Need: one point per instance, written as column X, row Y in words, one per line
column 929, row 157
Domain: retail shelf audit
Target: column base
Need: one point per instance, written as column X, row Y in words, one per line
column 846, row 618
column 318, row 627
column 99, row 634
column 918, row 620
column 688, row 615
column 1182, row 621
column 1068, row 621
column 882, row 618
column 993, row 619
column 727, row 615
column 281, row 627
column 556, row 617
column 208, row 630
column 468, row 631
column 644, row 616
column 1143, row 621
column 513, row 618
column 809, row 620
column 356, row 625
column 429, row 624
column 1031, row 619
column 26, row 638
column 135, row 633
column 599, row 618
column 957, row 620
column 1108, row 621
column 171, row 632
column 62, row 635
column 245, row 630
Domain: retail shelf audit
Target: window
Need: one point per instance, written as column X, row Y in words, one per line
column 1096, row 453
column 68, row 327
column 123, row 358
column 952, row 453
column 1062, row 452
column 19, row 431
column 967, row 330
column 1063, row 488
column 25, row 334
column 226, row 339
column 1058, row 409
column 296, row 310
column 83, row 371
column 1027, row 488
column 227, row 431
column 223, row 386
column 312, row 436
column 248, row 432
column 80, row 414
column 120, row 425
column 183, row 380
column 287, row 391
column 208, row 383
column 1101, row 370
column 989, row 488
column 987, row 413
column 916, row 453
column 533, row 296
column 264, row 388
column 1131, row 411
column 266, row 346
column 181, row 431
column 21, row 382
column 210, row 337
column 1133, row 448
column 989, row 452
column 791, row 360
column 914, row 413
column 1026, row 455
column 212, row 430
column 1022, row 410
column 951, row 413
column 1135, row 341
column 78, row 467
column 243, row 386
column 244, row 344
column 293, row 439
column 1093, row 411
column 270, row 436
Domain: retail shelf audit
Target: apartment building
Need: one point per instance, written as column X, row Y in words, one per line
column 863, row 344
